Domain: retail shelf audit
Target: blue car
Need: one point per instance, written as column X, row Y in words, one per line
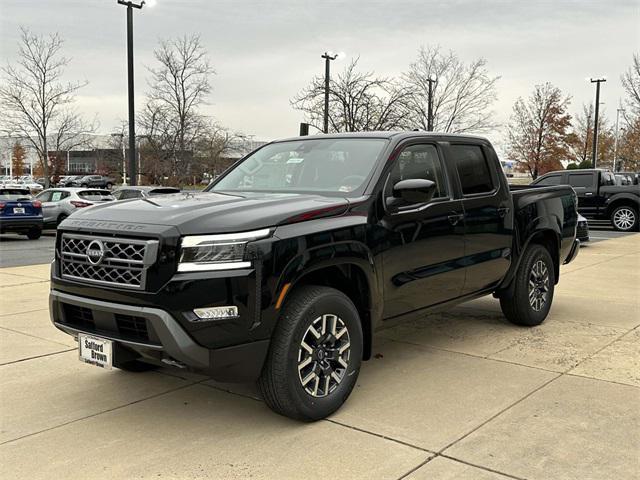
column 19, row 213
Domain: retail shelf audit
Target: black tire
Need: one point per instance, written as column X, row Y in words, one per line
column 61, row 217
column 135, row 366
column 280, row 383
column 109, row 186
column 84, row 185
column 624, row 218
column 34, row 233
column 532, row 294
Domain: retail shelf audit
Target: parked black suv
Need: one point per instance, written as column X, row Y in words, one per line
column 94, row 181
column 285, row 266
column 599, row 197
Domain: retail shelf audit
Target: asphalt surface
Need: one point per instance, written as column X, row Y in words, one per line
column 18, row 250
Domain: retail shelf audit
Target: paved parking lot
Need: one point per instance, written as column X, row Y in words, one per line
column 456, row 395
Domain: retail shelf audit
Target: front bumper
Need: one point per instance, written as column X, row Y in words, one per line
column 155, row 334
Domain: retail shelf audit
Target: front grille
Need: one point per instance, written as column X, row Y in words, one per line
column 79, row 317
column 132, row 327
column 113, row 261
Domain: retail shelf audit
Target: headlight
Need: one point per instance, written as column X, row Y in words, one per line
column 217, row 252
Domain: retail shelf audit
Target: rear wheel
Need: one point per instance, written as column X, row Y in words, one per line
column 34, row 233
column 315, row 355
column 624, row 218
column 532, row 294
column 109, row 186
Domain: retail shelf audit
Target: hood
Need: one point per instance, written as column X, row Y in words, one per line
column 204, row 212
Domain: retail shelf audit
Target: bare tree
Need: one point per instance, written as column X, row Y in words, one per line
column 35, row 99
column 357, row 102
column 538, row 130
column 463, row 94
column 631, row 84
column 178, row 88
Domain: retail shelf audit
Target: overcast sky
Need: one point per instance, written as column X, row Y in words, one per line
column 266, row 51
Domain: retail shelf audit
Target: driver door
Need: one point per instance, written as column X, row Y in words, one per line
column 422, row 264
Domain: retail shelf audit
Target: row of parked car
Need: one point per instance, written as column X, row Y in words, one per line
column 24, row 214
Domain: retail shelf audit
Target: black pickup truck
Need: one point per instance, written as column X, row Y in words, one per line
column 599, row 196
column 284, row 267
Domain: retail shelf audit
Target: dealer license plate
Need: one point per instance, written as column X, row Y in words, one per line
column 18, row 210
column 95, row 351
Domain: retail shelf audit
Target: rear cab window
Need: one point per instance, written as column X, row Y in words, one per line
column 550, row 180
column 473, row 169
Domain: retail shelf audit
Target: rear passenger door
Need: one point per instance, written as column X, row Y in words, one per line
column 488, row 222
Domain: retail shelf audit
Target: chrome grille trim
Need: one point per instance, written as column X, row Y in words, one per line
column 125, row 262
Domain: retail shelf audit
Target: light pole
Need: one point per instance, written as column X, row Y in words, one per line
column 615, row 140
column 597, row 81
column 124, row 157
column 132, row 112
column 328, row 56
column 430, row 105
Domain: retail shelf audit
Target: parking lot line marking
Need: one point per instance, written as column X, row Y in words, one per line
column 37, row 356
column 97, row 413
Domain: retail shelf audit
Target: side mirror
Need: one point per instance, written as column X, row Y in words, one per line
column 416, row 190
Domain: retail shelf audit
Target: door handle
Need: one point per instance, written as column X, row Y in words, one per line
column 454, row 218
column 502, row 211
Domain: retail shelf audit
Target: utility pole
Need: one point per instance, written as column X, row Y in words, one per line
column 597, row 81
column 327, row 62
column 430, row 105
column 615, row 141
column 132, row 112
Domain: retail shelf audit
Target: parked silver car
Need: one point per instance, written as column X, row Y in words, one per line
column 59, row 203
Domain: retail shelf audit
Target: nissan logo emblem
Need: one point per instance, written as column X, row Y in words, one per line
column 95, row 252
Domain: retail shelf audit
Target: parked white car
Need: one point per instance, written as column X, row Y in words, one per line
column 59, row 203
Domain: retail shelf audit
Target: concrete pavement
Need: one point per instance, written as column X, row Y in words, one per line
column 456, row 395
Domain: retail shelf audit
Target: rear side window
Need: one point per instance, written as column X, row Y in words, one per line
column 580, row 179
column 550, row 180
column 58, row 195
column 473, row 169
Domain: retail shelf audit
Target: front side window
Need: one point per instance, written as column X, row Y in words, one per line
column 580, row 179
column 44, row 196
column 473, row 169
column 419, row 161
column 338, row 166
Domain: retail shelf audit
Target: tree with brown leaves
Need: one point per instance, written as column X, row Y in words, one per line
column 538, row 130
column 18, row 157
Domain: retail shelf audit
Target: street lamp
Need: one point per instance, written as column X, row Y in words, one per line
column 124, row 157
column 615, row 140
column 597, row 81
column 328, row 56
column 132, row 127
column 431, row 81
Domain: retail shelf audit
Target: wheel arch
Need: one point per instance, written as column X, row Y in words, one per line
column 351, row 277
column 619, row 201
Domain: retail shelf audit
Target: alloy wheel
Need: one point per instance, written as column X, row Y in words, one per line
column 624, row 218
column 323, row 356
column 538, row 285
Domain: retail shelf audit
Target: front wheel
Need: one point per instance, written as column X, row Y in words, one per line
column 624, row 219
column 315, row 355
column 531, row 297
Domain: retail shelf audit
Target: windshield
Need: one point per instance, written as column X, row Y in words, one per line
column 327, row 165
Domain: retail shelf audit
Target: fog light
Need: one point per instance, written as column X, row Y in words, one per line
column 216, row 313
